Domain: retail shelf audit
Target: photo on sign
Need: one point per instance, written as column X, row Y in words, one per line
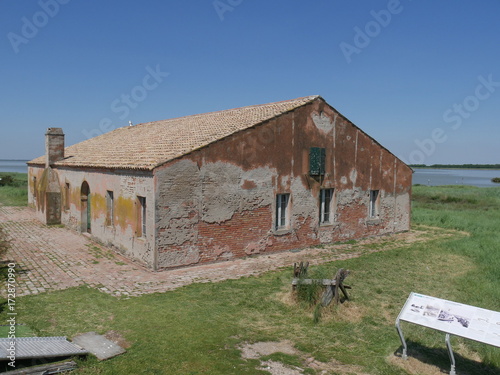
column 451, row 317
column 416, row 308
column 431, row 311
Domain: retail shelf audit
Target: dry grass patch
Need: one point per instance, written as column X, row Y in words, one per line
column 414, row 366
column 294, row 361
column 348, row 312
column 419, row 363
column 117, row 338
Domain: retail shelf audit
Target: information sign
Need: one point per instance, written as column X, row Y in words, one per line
column 454, row 318
column 451, row 318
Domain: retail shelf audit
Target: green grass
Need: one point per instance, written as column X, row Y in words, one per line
column 98, row 252
column 17, row 193
column 18, row 331
column 198, row 329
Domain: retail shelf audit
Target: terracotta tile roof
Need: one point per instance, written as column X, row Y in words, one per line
column 148, row 145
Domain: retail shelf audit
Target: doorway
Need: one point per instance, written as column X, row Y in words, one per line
column 86, row 208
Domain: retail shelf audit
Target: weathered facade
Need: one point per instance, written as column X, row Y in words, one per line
column 226, row 184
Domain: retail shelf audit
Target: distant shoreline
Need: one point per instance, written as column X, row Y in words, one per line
column 27, row 160
column 457, row 166
column 11, row 166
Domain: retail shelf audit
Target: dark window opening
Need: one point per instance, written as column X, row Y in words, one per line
column 110, row 208
column 35, row 191
column 282, row 214
column 374, row 204
column 66, row 196
column 325, row 206
column 141, row 222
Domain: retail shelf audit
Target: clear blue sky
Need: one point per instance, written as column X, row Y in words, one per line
column 422, row 77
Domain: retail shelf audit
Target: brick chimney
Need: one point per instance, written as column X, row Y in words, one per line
column 54, row 146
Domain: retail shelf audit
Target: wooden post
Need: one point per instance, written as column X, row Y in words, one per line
column 300, row 269
column 337, row 284
column 332, row 285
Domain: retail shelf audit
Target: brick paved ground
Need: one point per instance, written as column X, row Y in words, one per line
column 53, row 258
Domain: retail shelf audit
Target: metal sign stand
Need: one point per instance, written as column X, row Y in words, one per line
column 450, row 353
column 402, row 338
column 405, row 347
column 450, row 318
column 400, row 331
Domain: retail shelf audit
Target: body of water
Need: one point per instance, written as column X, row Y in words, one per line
column 474, row 177
column 13, row 166
column 422, row 176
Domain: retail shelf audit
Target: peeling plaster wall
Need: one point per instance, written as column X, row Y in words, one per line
column 44, row 194
column 191, row 199
column 36, row 200
column 126, row 186
column 218, row 203
column 178, row 204
column 323, row 122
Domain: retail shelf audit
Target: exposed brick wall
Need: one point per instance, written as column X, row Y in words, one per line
column 245, row 234
column 219, row 202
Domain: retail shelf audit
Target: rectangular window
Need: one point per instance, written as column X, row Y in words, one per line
column 282, row 214
column 141, row 222
column 317, row 159
column 374, row 204
column 325, row 206
column 110, row 208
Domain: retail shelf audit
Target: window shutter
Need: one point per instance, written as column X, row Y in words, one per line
column 317, row 158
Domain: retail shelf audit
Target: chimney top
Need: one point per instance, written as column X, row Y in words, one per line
column 54, row 131
column 54, row 146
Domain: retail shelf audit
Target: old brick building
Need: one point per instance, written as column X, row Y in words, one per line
column 226, row 184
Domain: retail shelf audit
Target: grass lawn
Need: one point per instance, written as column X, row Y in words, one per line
column 16, row 193
column 199, row 329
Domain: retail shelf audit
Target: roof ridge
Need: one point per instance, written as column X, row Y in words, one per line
column 151, row 144
column 306, row 99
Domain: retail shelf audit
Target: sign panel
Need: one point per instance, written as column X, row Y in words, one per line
column 454, row 318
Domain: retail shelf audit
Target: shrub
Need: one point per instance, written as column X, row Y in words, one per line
column 13, row 189
column 6, row 181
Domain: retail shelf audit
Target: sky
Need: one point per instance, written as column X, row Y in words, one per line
column 422, row 77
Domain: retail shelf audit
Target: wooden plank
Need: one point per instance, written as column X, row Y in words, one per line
column 327, row 296
column 55, row 368
column 343, row 288
column 338, row 281
column 297, row 281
